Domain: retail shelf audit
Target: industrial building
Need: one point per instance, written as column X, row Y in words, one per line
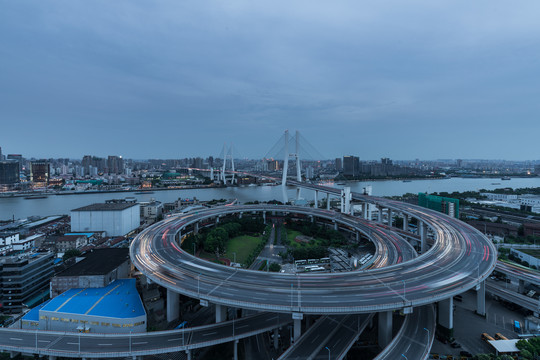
column 445, row 205
column 115, row 217
column 99, row 268
column 24, row 280
column 116, row 308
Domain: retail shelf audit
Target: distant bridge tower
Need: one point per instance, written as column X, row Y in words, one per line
column 227, row 155
column 286, row 165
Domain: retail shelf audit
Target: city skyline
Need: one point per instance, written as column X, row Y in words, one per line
column 404, row 81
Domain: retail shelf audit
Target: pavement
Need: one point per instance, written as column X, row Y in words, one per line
column 468, row 326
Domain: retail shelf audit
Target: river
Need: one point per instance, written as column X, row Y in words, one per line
column 19, row 208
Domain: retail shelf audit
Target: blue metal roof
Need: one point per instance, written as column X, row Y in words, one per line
column 117, row 300
column 85, row 234
column 33, row 315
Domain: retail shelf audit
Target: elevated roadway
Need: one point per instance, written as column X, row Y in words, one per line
column 460, row 258
column 90, row 345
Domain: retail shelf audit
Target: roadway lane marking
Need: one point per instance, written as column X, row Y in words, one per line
column 140, row 343
column 104, row 344
column 241, row 327
column 174, row 339
column 44, row 341
column 73, row 343
column 15, row 339
column 212, row 333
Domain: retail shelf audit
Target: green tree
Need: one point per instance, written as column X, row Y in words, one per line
column 274, row 267
column 71, row 253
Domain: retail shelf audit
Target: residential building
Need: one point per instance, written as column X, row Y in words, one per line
column 40, row 172
column 351, row 165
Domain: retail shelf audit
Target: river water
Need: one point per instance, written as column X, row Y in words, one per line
column 19, row 207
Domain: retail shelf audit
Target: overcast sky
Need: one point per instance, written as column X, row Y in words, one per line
column 168, row 79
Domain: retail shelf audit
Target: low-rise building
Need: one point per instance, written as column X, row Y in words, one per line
column 115, row 308
column 70, row 242
column 99, row 268
column 151, row 210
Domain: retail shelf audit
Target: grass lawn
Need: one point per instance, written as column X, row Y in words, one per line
column 292, row 234
column 243, row 246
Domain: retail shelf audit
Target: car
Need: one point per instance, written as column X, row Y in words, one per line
column 465, row 353
column 455, row 345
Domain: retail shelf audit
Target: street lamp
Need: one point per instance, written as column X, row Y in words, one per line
column 326, row 347
column 404, row 298
column 199, row 285
column 427, row 334
column 234, row 256
column 404, row 356
column 130, row 341
column 193, row 249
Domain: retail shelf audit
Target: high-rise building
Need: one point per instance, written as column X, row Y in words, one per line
column 9, row 172
column 19, row 159
column 351, row 165
column 1, row 156
column 115, row 164
column 39, row 173
column 339, row 164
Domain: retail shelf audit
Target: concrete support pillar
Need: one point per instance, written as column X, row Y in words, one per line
column 390, row 216
column 357, row 236
column 173, row 305
column 13, row 354
column 217, row 219
column 235, row 349
column 481, row 299
column 221, row 313
column 446, row 317
column 405, row 222
column 316, row 199
column 297, row 329
column 521, row 287
column 380, row 215
column 196, row 228
column 264, row 217
column 335, row 225
column 240, row 215
column 52, row 357
column 385, row 328
column 312, row 218
column 365, row 210
column 276, row 338
column 328, row 201
column 422, row 228
column 188, row 353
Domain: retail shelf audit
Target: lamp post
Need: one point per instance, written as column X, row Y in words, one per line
column 404, row 297
column 193, row 249
column 130, row 341
column 404, row 357
column 199, row 285
column 326, row 347
column 234, row 257
column 427, row 334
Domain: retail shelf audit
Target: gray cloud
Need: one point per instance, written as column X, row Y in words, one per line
column 167, row 79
